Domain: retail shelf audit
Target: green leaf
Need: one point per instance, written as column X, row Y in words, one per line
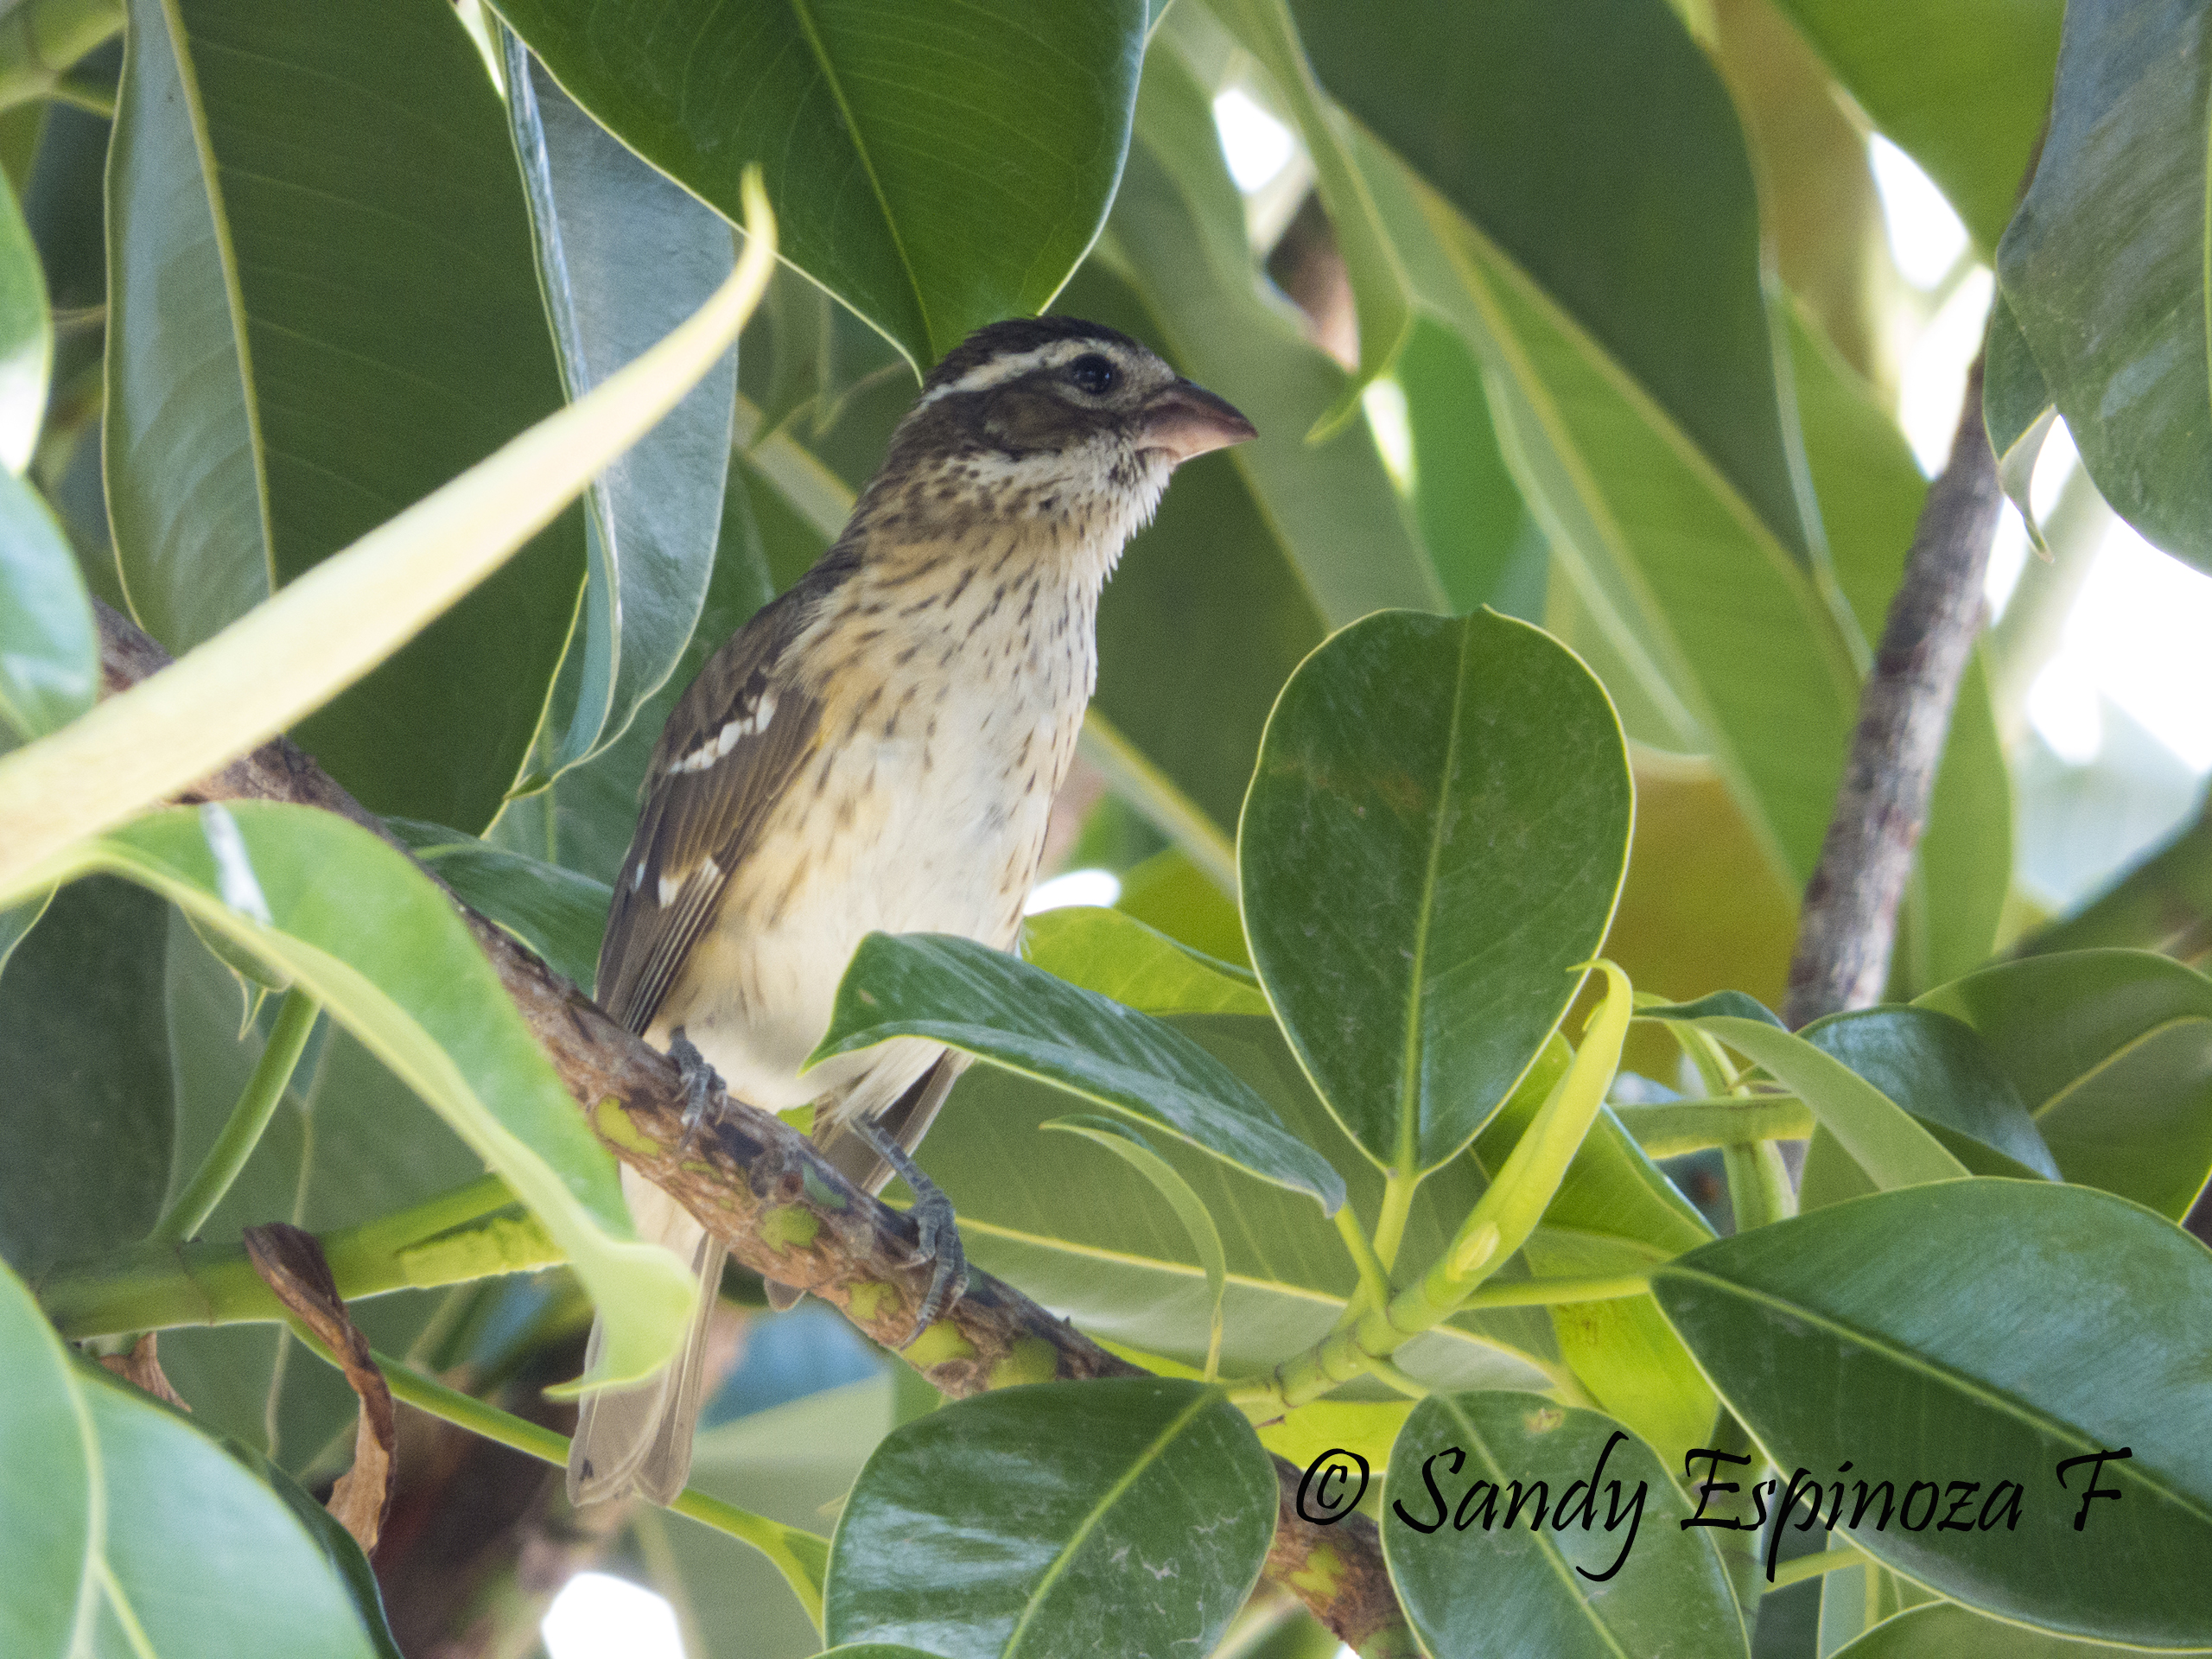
column 1614, row 1212
column 1882, row 1137
column 384, row 953
column 1090, row 1238
column 1594, row 146
column 294, row 651
column 1177, row 229
column 1961, row 87
column 1379, row 282
column 2017, row 408
column 1135, row 1151
column 1984, row 1331
column 17, row 922
column 49, row 654
column 125, row 1525
column 1431, row 851
column 1938, row 1069
column 2104, row 266
column 2112, row 1052
column 1607, row 1569
column 1943, row 1632
column 1018, row 1521
column 1681, row 582
column 998, row 1008
column 1114, row 954
column 626, row 255
column 49, row 1504
column 294, row 356
column 559, row 914
column 935, row 175
column 83, row 1045
column 336, row 1543
column 26, row 337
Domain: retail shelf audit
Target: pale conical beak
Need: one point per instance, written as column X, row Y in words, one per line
column 1183, row 420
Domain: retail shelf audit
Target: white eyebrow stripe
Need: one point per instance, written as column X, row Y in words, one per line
column 1000, row 370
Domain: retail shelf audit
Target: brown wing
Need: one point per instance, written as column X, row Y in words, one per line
column 733, row 743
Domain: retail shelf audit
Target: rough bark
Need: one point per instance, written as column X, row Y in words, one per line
column 786, row 1212
column 1848, row 926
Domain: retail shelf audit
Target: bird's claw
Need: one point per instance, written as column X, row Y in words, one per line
column 938, row 1242
column 702, row 1083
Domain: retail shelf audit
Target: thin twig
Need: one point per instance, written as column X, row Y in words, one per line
column 1848, row 926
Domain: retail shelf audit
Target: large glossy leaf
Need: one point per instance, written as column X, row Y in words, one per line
column 1117, row 956
column 1432, row 846
column 48, row 1502
column 83, row 1045
column 1178, row 228
column 49, row 657
column 293, row 652
column 1962, row 87
column 625, row 255
column 1378, row 282
column 1018, row 1521
column 126, row 1525
column 295, row 355
column 936, row 170
column 386, row 956
column 26, row 337
column 1984, row 1331
column 1595, row 1564
column 1000, row 1009
column 1938, row 1069
column 2104, row 266
column 1090, row 1239
column 2112, row 1052
column 1951, row 1632
column 1720, row 639
column 558, row 914
column 1595, row 146
column 1885, row 1140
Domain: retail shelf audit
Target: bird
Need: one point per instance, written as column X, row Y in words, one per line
column 878, row 749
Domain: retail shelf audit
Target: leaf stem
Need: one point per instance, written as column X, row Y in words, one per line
column 280, row 1056
column 1374, row 1283
column 1398, row 1189
column 457, row 1236
column 1499, row 1225
column 799, row 1555
column 1675, row 1127
column 1758, row 1184
column 1833, row 1559
column 1552, row 1293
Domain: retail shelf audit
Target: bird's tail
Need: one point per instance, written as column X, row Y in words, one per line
column 640, row 1436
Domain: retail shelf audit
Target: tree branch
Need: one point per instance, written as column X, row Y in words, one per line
column 786, row 1212
column 1848, row 926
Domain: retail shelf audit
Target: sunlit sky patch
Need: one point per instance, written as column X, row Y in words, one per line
column 597, row 1616
column 1256, row 145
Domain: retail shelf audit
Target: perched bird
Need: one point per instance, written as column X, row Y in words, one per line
column 879, row 749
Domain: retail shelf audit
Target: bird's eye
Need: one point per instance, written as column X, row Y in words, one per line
column 1093, row 374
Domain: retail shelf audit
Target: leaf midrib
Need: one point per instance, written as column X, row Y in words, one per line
column 1097, row 1511
column 1987, row 1394
column 1410, row 1082
column 802, row 14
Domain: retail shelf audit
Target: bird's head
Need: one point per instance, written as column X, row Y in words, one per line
column 1050, row 419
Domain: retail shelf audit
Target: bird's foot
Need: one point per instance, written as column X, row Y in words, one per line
column 936, row 1231
column 702, row 1083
